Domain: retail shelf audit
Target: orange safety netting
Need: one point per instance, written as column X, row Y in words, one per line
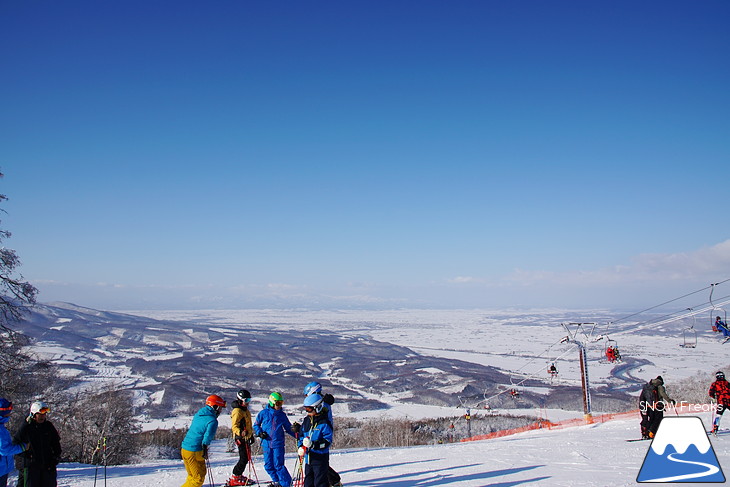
column 601, row 418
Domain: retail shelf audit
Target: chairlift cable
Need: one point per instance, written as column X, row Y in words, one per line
column 670, row 301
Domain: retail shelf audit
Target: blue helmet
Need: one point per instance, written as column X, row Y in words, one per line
column 312, row 388
column 5, row 407
column 314, row 401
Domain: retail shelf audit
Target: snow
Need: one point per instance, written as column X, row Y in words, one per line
column 587, row 455
column 584, row 455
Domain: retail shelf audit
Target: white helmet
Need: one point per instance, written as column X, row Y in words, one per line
column 39, row 407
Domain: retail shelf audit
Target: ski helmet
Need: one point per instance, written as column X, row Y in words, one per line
column 275, row 397
column 243, row 395
column 312, row 388
column 214, row 401
column 39, row 407
column 720, row 375
column 5, row 407
column 314, row 401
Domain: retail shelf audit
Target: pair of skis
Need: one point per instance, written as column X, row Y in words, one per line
column 299, row 469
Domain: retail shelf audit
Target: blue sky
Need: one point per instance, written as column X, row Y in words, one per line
column 386, row 154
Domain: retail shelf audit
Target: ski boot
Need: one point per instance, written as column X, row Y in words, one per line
column 715, row 429
column 237, row 480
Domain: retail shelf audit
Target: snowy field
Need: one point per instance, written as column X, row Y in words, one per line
column 522, row 344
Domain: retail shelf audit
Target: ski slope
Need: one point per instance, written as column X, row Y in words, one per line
column 588, row 455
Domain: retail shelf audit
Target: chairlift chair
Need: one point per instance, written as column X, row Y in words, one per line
column 611, row 351
column 689, row 335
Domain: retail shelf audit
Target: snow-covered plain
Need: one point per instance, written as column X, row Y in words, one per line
column 519, row 343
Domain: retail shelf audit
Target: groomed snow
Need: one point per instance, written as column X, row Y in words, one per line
column 584, row 456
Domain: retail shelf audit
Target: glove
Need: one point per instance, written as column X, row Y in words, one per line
column 307, row 442
column 301, row 451
column 252, row 440
column 238, row 441
column 296, row 428
column 264, row 435
column 205, row 451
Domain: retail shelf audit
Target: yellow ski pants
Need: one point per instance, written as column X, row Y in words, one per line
column 195, row 467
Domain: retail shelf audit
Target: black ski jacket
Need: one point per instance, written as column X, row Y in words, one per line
column 45, row 445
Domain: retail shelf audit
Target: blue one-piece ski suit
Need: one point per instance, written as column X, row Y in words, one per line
column 273, row 423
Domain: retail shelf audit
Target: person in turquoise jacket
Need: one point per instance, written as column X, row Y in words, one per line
column 315, row 443
column 270, row 425
column 194, row 449
column 7, row 447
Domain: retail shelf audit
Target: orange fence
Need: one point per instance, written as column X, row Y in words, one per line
column 601, row 418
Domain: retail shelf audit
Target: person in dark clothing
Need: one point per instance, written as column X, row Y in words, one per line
column 652, row 403
column 37, row 466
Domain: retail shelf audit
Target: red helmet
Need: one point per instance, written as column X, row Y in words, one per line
column 215, row 401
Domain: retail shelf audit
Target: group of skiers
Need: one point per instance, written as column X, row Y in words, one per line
column 654, row 400
column 313, row 436
column 34, row 450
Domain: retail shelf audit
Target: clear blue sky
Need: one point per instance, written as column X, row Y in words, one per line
column 424, row 153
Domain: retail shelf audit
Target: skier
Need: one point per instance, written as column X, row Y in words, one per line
column 552, row 370
column 315, row 443
column 652, row 402
column 242, row 430
column 328, row 400
column 37, row 465
column 611, row 354
column 7, row 447
column 270, row 425
column 194, row 448
column 720, row 391
column 722, row 327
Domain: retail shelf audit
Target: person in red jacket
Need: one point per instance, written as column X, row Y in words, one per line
column 720, row 391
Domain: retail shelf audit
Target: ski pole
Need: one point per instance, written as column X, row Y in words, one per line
column 105, row 462
column 210, row 471
column 251, row 467
column 96, row 470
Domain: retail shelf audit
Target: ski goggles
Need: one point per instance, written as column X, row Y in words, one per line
column 309, row 409
column 45, row 410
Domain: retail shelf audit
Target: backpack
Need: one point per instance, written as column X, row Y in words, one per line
column 648, row 395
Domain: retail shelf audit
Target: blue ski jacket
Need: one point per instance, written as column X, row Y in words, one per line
column 202, row 430
column 7, row 448
column 319, row 430
column 273, row 422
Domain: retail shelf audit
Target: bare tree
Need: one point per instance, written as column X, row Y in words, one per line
column 15, row 293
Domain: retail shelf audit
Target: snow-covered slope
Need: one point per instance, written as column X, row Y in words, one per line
column 584, row 456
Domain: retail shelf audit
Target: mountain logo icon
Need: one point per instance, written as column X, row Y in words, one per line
column 681, row 452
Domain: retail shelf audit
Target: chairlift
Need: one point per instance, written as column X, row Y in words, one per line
column 689, row 335
column 552, row 370
column 718, row 316
column 513, row 391
column 611, row 351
